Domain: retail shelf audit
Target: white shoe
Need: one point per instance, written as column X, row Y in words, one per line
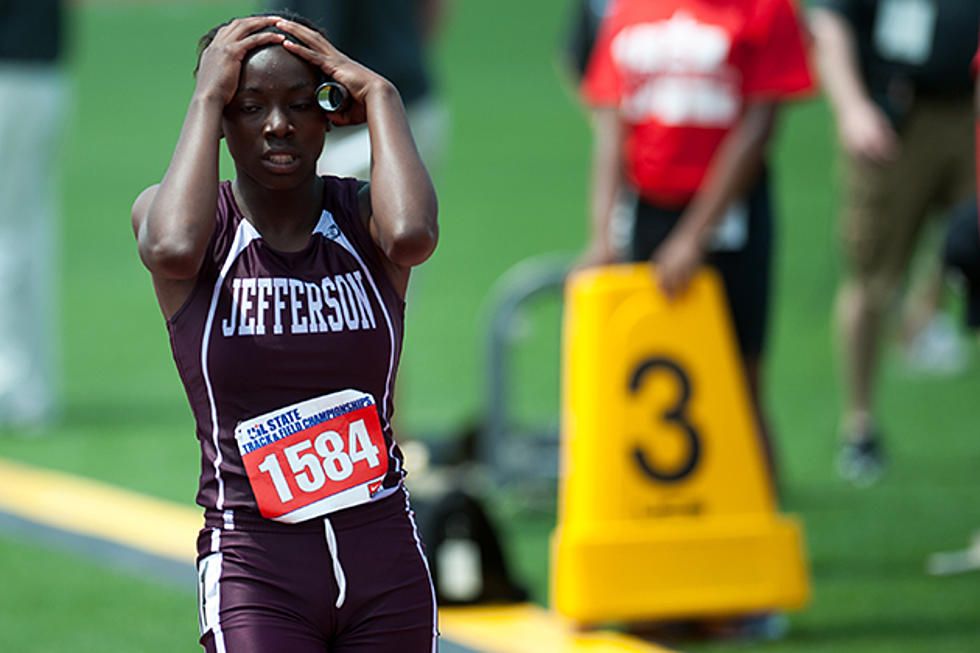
column 945, row 563
column 937, row 348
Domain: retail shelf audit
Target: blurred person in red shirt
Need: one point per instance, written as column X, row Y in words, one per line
column 684, row 96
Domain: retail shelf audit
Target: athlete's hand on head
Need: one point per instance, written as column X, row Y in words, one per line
column 357, row 79
column 221, row 61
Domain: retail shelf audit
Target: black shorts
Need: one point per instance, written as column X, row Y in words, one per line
column 745, row 271
column 961, row 252
column 357, row 581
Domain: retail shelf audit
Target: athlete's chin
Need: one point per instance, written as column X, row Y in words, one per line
column 280, row 182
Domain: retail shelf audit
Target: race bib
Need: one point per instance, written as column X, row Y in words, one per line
column 314, row 457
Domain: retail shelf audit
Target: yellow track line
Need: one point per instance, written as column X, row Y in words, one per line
column 162, row 528
column 96, row 509
column 527, row 628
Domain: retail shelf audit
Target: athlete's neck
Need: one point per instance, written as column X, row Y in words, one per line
column 284, row 218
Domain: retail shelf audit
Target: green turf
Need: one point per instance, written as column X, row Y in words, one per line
column 52, row 602
column 513, row 186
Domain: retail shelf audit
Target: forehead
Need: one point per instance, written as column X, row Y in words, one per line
column 273, row 68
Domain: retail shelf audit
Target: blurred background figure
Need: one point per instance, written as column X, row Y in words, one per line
column 961, row 255
column 585, row 20
column 392, row 37
column 684, row 96
column 32, row 108
column 897, row 74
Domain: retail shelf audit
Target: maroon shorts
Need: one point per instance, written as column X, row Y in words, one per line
column 356, row 581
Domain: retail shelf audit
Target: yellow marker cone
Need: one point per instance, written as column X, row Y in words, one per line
column 666, row 508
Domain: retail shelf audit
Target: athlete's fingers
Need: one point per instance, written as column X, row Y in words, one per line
column 241, row 27
column 244, row 31
column 244, row 26
column 235, row 51
column 318, row 59
column 307, row 35
column 253, row 41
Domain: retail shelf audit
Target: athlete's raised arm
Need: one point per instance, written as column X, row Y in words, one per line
column 174, row 219
column 400, row 202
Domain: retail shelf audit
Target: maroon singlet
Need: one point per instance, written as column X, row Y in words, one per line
column 265, row 329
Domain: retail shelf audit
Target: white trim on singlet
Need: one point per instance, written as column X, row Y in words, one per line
column 336, row 234
column 244, row 234
column 209, row 572
column 428, row 572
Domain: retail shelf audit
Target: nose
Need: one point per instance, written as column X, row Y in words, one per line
column 277, row 123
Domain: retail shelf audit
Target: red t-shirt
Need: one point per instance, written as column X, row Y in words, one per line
column 680, row 71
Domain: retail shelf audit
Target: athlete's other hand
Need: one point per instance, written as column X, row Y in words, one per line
column 676, row 261
column 866, row 133
column 221, row 62
column 357, row 79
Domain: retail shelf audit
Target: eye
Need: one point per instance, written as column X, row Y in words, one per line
column 250, row 108
column 301, row 106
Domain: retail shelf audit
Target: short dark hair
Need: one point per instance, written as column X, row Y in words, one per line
column 288, row 14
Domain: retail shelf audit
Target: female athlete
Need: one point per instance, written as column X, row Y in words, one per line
column 283, row 296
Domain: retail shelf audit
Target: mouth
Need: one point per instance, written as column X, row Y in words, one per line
column 280, row 161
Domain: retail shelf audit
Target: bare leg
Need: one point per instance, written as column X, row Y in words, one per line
column 860, row 315
column 859, row 322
